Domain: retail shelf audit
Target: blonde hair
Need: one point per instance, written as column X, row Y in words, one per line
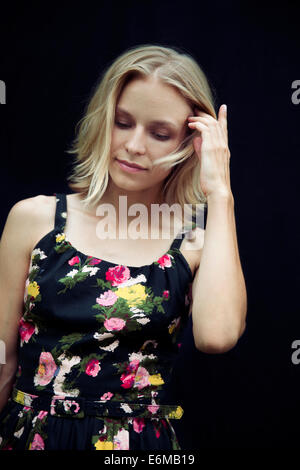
column 92, row 144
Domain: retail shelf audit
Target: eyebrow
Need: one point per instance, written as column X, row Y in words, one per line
column 156, row 122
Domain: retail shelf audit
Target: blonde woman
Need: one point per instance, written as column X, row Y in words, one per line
column 92, row 341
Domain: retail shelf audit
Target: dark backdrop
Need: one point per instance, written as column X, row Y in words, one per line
column 51, row 57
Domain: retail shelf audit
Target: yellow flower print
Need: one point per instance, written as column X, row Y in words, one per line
column 41, row 370
column 173, row 325
column 60, row 237
column 104, row 445
column 33, row 289
column 156, row 379
column 20, row 397
column 177, row 413
column 133, row 294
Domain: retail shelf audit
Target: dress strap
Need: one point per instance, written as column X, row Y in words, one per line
column 205, row 215
column 61, row 211
column 178, row 240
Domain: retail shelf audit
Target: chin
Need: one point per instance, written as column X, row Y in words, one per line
column 124, row 183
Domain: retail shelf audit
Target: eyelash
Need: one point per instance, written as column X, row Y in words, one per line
column 158, row 136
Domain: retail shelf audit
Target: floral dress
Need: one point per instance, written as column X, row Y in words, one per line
column 97, row 345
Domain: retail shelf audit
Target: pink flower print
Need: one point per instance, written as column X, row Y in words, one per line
column 114, row 324
column 165, row 261
column 26, row 330
column 179, row 345
column 107, row 299
column 138, row 424
column 117, row 275
column 166, row 294
column 153, row 408
column 157, row 432
column 94, row 261
column 42, row 414
column 133, row 366
column 37, row 443
column 121, row 440
column 127, row 379
column 69, row 403
column 106, row 396
column 74, row 260
column 46, row 370
column 141, row 378
column 92, row 367
column 55, row 398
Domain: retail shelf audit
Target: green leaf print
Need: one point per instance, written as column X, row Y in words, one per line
column 70, row 281
column 71, row 339
column 104, row 284
column 79, row 273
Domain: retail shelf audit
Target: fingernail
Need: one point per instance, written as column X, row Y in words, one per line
column 225, row 107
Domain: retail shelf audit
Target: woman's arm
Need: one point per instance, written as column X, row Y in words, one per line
column 219, row 291
column 15, row 252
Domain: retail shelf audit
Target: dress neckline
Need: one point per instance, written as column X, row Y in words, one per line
column 60, row 223
column 171, row 251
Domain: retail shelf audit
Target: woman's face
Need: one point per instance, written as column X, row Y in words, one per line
column 150, row 122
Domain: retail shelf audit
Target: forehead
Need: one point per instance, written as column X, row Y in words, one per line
column 150, row 96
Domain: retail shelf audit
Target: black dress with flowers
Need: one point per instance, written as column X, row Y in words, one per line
column 98, row 343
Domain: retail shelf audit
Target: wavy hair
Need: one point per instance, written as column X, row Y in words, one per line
column 172, row 66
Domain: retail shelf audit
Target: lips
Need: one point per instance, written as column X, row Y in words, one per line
column 131, row 165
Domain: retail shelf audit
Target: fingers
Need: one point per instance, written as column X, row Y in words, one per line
column 223, row 118
column 208, row 120
column 200, row 126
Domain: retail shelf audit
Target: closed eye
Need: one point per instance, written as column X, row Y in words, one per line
column 123, row 125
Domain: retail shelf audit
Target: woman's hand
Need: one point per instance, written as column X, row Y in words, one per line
column 213, row 152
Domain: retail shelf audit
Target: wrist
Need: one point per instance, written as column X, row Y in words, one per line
column 220, row 197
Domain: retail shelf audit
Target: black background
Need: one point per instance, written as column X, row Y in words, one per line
column 52, row 55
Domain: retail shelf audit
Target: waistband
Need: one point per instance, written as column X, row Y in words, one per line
column 78, row 407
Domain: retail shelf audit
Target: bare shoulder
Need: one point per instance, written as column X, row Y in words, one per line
column 31, row 218
column 33, row 209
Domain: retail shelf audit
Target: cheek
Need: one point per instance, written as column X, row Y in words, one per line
column 116, row 139
column 113, row 143
column 159, row 173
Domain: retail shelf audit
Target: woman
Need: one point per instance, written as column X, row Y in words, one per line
column 101, row 321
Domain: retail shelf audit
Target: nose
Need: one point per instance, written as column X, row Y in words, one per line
column 135, row 142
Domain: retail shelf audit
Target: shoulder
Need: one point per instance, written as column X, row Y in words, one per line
column 33, row 208
column 29, row 217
